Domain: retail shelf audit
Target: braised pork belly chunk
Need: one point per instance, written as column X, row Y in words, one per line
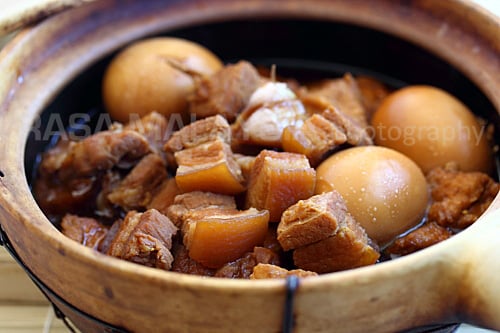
column 164, row 196
column 278, row 180
column 311, row 220
column 343, row 94
column 136, row 190
column 145, row 238
column 226, row 92
column 247, row 180
column 324, row 236
column 459, row 198
column 84, row 230
column 103, row 151
column 423, row 237
column 155, row 128
column 71, row 176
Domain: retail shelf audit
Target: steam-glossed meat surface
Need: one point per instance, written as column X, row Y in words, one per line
column 226, row 92
column 146, row 239
column 86, row 231
column 459, row 198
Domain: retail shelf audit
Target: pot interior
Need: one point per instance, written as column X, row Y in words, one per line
column 300, row 48
column 304, row 49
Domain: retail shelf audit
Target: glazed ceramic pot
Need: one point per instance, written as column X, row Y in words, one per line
column 55, row 67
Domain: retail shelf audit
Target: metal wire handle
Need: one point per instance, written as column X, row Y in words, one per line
column 292, row 284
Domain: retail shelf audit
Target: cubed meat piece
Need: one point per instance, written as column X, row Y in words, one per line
column 199, row 132
column 344, row 94
column 243, row 267
column 53, row 159
column 105, row 208
column 145, row 238
column 279, row 180
column 272, row 107
column 57, row 197
column 71, row 173
column 372, row 93
column 184, row 264
column 136, row 190
column 209, row 167
column 102, row 151
column 164, row 196
column 348, row 248
column 315, row 138
column 84, row 230
column 154, row 127
column 425, row 236
column 191, row 201
column 311, row 220
column 226, row 92
column 356, row 134
column 269, row 271
column 459, row 198
column 215, row 237
column 110, row 236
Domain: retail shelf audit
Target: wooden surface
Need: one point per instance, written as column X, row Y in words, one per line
column 23, row 308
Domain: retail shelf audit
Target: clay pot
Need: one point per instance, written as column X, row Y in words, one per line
column 451, row 44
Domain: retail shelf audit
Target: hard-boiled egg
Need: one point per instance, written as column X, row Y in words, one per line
column 155, row 74
column 432, row 127
column 384, row 190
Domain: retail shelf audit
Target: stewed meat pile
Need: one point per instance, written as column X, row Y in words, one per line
column 234, row 192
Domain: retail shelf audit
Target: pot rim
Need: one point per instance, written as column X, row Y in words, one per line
column 51, row 234
column 457, row 22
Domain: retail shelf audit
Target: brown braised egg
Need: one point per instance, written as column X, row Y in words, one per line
column 384, row 190
column 155, row 74
column 433, row 128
